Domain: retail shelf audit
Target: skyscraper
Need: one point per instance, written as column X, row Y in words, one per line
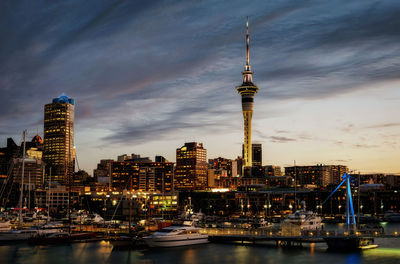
column 247, row 91
column 256, row 154
column 59, row 139
column 191, row 167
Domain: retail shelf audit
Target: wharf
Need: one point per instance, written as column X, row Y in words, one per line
column 289, row 239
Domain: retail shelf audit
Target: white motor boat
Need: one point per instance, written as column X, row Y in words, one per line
column 174, row 236
column 306, row 220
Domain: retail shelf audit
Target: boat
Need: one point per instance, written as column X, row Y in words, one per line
column 174, row 236
column 349, row 243
column 82, row 236
column 50, row 238
column 17, row 235
column 306, row 220
column 122, row 242
column 391, row 216
column 5, row 226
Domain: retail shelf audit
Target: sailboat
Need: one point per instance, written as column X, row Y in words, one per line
column 19, row 234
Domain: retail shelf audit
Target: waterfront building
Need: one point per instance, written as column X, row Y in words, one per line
column 221, row 164
column 57, row 197
column 247, row 90
column 142, row 176
column 237, row 167
column 123, row 157
column 7, row 156
column 103, row 171
column 33, row 172
column 160, row 159
column 316, row 175
column 133, row 157
column 270, row 170
column 59, row 139
column 218, row 178
column 191, row 167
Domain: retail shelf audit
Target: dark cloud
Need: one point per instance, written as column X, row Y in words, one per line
column 342, row 160
column 384, row 125
column 144, row 70
column 365, row 146
column 281, row 139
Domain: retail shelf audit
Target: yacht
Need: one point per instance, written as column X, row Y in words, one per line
column 306, row 220
column 174, row 236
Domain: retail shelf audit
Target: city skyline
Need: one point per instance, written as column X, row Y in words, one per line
column 328, row 80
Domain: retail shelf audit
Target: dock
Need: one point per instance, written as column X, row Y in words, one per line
column 334, row 239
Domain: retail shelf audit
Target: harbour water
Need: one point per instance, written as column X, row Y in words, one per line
column 103, row 252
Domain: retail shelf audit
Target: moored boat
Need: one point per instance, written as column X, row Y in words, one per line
column 306, row 220
column 174, row 236
column 50, row 238
column 17, row 235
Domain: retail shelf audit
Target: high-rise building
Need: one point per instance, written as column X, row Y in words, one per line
column 237, row 167
column 256, row 153
column 33, row 172
column 59, row 139
column 221, row 164
column 191, row 167
column 103, row 171
column 142, row 176
column 247, row 91
column 317, row 175
column 270, row 170
column 7, row 156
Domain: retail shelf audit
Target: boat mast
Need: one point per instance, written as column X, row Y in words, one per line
column 48, row 202
column 130, row 204
column 29, row 191
column 22, row 183
column 295, row 186
column 358, row 201
column 163, row 197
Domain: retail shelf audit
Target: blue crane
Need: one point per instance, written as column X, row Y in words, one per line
column 350, row 216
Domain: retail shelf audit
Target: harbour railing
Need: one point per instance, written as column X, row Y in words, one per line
column 295, row 233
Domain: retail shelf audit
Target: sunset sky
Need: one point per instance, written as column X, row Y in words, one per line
column 148, row 76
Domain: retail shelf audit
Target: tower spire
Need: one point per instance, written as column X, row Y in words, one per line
column 247, row 73
column 247, row 43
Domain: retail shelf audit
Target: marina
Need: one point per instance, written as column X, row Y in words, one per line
column 102, row 251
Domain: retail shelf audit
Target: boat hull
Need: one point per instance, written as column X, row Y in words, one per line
column 176, row 241
column 16, row 236
column 348, row 243
column 49, row 240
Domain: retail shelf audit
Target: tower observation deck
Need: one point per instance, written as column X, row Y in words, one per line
column 247, row 91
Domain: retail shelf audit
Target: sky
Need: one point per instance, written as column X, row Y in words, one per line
column 148, row 76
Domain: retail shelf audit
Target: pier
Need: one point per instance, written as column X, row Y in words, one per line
column 334, row 239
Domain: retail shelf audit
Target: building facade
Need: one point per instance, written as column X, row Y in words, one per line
column 191, row 167
column 59, row 139
column 316, row 175
column 256, row 154
column 33, row 172
column 142, row 176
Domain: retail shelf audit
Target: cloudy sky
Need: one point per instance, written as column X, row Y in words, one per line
column 148, row 76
